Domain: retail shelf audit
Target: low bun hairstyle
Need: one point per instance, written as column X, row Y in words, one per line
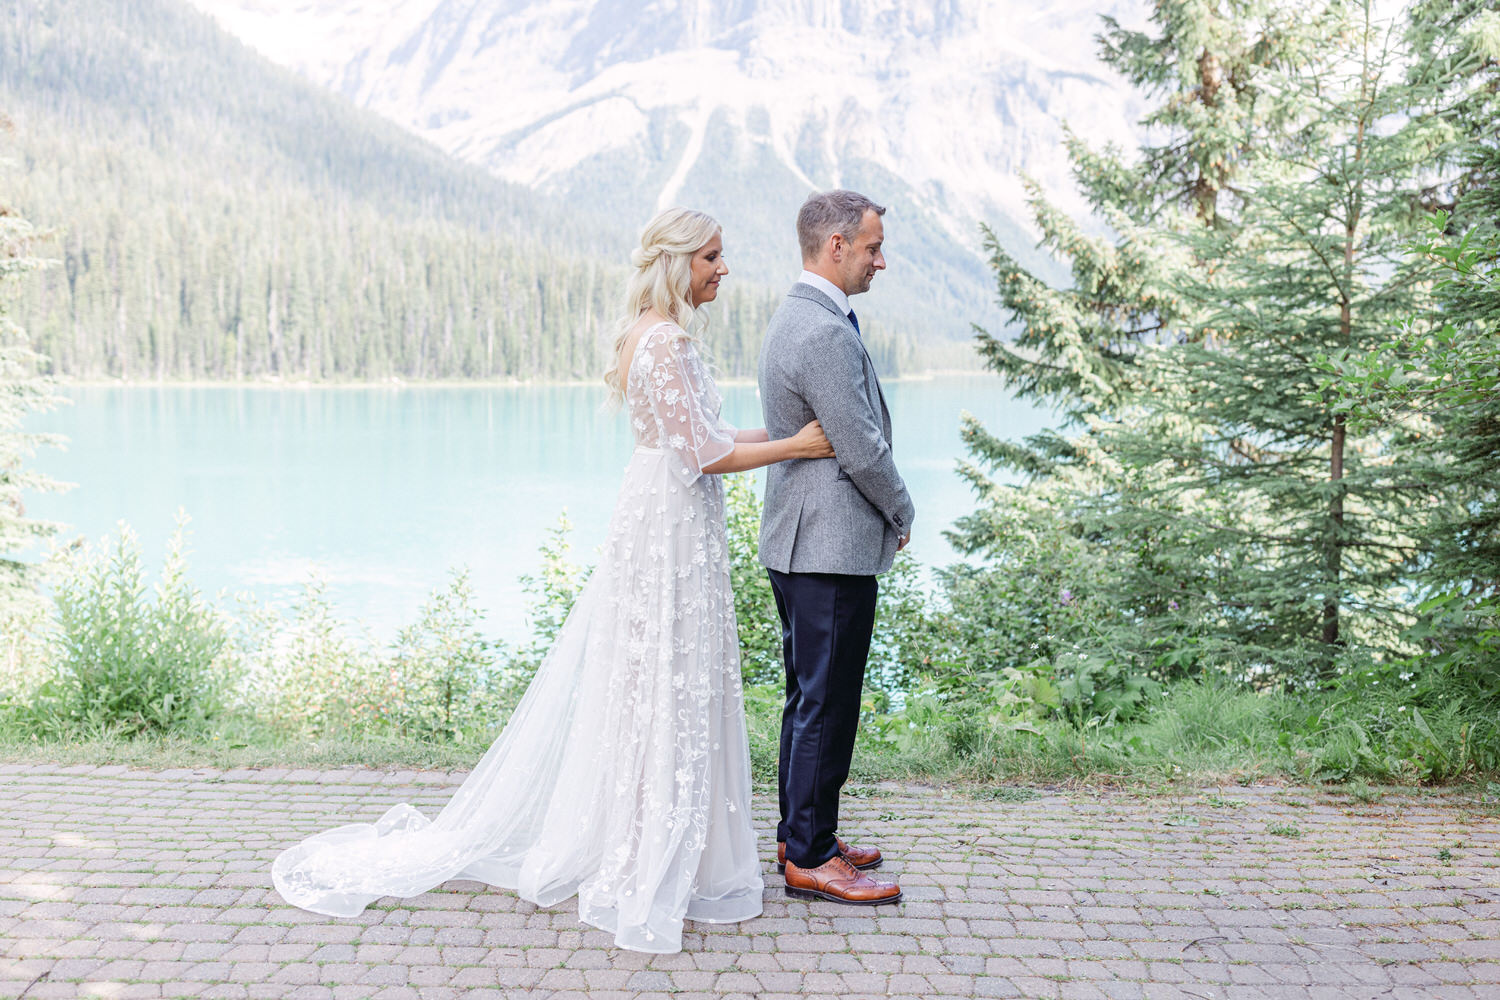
column 662, row 280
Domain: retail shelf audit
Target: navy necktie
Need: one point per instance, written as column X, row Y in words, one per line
column 855, row 320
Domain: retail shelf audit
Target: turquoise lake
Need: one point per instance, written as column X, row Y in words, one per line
column 381, row 490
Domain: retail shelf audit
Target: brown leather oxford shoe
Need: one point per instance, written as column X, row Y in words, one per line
column 840, row 882
column 863, row 858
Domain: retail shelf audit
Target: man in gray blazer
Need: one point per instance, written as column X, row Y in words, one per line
column 830, row 525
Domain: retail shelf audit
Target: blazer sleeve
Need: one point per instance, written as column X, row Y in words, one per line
column 829, row 375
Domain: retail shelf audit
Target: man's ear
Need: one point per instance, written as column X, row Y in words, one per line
column 836, row 246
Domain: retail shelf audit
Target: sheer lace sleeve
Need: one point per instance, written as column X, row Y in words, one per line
column 685, row 404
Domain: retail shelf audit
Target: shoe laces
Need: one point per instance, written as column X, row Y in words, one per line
column 853, row 872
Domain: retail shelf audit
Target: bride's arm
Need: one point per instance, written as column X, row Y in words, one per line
column 809, row 442
column 695, row 433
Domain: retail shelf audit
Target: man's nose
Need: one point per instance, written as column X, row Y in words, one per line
column 879, row 261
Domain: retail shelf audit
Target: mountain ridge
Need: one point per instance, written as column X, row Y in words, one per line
column 740, row 107
column 217, row 217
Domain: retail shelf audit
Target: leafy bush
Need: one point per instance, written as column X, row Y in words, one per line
column 25, row 647
column 127, row 663
column 448, row 683
column 1408, row 720
column 1036, row 592
column 754, row 601
column 440, row 680
column 911, row 635
column 949, row 693
column 306, row 675
column 1031, row 626
column 552, row 591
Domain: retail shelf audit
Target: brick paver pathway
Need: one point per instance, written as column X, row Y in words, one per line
column 119, row 883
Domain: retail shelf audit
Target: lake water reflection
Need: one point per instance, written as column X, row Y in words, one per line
column 381, row 490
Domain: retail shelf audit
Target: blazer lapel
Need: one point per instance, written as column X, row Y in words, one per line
column 810, row 293
column 885, row 411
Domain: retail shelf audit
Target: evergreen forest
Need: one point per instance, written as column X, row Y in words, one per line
column 216, row 218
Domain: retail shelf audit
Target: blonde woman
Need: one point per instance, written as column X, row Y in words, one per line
column 624, row 776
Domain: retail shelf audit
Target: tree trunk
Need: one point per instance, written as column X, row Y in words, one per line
column 1206, row 191
column 1334, row 557
column 1335, row 553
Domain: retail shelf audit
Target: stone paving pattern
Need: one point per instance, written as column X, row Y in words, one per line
column 123, row 883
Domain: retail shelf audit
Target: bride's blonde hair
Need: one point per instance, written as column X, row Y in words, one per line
column 662, row 280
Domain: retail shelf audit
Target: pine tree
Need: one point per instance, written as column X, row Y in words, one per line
column 1082, row 349
column 1433, row 394
column 1079, row 347
column 1240, row 515
column 1314, row 262
column 22, row 391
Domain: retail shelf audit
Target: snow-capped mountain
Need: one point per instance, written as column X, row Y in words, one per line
column 737, row 106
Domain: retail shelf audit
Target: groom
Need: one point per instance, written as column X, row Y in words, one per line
column 830, row 525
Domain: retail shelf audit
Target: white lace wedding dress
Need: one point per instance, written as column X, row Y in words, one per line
column 624, row 774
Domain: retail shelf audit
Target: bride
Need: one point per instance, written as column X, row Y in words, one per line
column 624, row 775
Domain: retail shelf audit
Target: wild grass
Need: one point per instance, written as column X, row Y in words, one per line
column 1197, row 733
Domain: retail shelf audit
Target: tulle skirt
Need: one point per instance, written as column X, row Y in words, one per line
column 623, row 777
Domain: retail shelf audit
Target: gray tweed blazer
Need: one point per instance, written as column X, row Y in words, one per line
column 828, row 515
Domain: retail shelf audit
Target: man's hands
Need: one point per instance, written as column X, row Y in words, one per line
column 905, row 539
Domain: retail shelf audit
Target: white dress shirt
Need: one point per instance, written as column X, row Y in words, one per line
column 828, row 288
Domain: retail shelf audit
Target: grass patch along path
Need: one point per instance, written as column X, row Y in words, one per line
column 117, row 882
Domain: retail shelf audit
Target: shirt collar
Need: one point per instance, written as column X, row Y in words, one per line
column 828, row 288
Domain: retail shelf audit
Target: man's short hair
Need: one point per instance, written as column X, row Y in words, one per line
column 828, row 212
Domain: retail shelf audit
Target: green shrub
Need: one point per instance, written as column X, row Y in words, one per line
column 912, row 635
column 128, row 663
column 1407, row 721
column 449, row 684
column 305, row 675
column 1033, row 616
column 26, row 646
column 754, row 601
column 945, row 698
column 552, row 591
column 1033, row 598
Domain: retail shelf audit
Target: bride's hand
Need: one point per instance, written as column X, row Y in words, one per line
column 811, row 442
